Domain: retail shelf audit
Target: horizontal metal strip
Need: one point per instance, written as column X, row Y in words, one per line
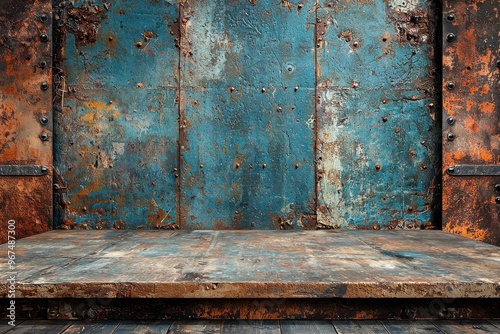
column 474, row 170
column 23, row 170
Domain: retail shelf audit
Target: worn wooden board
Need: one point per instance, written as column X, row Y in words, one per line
column 466, row 327
column 250, row 327
column 26, row 64
column 359, row 327
column 307, row 327
column 116, row 120
column 143, row 327
column 377, row 152
column 190, row 327
column 96, row 327
column 470, row 64
column 41, row 327
column 257, row 264
column 404, row 327
column 247, row 138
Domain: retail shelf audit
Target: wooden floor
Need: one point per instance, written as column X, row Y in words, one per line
column 253, row 264
column 252, row 327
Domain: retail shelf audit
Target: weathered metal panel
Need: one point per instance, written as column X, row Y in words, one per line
column 471, row 118
column 116, row 120
column 26, row 114
column 247, row 114
column 377, row 145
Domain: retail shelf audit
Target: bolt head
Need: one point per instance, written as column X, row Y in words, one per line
column 44, row 136
column 44, row 86
column 450, row 17
column 451, row 137
column 497, row 187
column 44, row 170
column 497, row 199
column 44, row 120
column 450, row 85
column 44, row 18
column 451, row 170
column 498, row 63
column 44, row 37
column 450, row 37
column 450, row 120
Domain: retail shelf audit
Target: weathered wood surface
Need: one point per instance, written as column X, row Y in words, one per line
column 244, row 327
column 254, row 264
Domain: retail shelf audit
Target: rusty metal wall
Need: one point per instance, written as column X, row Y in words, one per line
column 116, row 114
column 471, row 119
column 26, row 114
column 377, row 115
column 246, row 114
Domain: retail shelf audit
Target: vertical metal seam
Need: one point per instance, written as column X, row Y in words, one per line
column 179, row 122
column 316, row 123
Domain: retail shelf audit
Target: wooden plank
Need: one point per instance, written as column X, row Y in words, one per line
column 26, row 64
column 466, row 327
column 307, row 327
column 117, row 128
column 4, row 327
column 403, row 327
column 359, row 327
column 495, row 323
column 250, row 327
column 470, row 65
column 137, row 327
column 94, row 327
column 247, row 135
column 257, row 264
column 377, row 124
column 41, row 327
column 196, row 326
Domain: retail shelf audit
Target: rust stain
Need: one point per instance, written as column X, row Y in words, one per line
column 84, row 22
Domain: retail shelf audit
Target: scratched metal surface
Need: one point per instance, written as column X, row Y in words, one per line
column 377, row 128
column 25, row 62
column 116, row 120
column 254, row 264
column 470, row 62
column 286, row 111
column 247, row 114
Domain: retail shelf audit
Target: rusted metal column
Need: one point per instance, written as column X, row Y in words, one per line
column 25, row 116
column 471, row 119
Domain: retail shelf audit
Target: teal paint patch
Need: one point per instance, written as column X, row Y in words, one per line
column 377, row 130
column 117, row 130
column 248, row 103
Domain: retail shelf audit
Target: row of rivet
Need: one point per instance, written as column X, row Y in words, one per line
column 44, row 86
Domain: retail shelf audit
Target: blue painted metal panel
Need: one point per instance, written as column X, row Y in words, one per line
column 247, row 132
column 377, row 126
column 117, row 128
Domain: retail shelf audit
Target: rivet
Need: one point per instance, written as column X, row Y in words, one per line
column 450, row 120
column 184, row 20
column 498, row 63
column 42, row 64
column 497, row 187
column 176, row 176
column 318, row 20
column 44, row 120
column 43, row 18
column 378, row 167
column 450, row 37
column 175, row 169
column 110, row 38
column 451, row 170
column 44, row 170
column 431, row 105
column 84, row 209
column 44, row 136
column 264, row 166
column 232, row 89
column 300, row 5
column 450, row 85
column 497, row 199
column 355, row 44
column 318, row 45
column 450, row 17
column 263, row 90
column 237, row 165
column 296, row 88
column 44, row 86
column 451, row 137
column 201, row 166
column 44, row 37
column 279, row 109
column 296, row 166
column 384, row 119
